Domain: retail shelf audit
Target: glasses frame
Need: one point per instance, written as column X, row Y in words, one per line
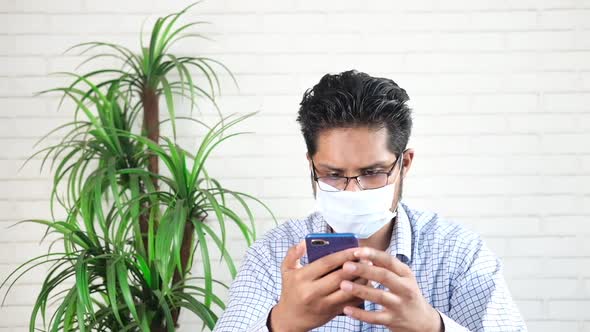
column 356, row 178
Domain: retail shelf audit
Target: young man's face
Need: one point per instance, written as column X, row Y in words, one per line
column 357, row 151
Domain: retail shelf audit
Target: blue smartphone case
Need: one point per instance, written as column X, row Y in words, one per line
column 323, row 244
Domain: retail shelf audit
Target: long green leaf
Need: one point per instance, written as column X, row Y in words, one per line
column 121, row 271
column 206, row 262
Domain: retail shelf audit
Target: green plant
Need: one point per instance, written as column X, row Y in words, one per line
column 131, row 231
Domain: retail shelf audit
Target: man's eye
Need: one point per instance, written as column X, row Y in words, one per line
column 371, row 172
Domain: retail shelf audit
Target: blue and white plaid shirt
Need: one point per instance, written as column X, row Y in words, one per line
column 458, row 275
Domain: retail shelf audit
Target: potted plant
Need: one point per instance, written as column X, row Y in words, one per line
column 131, row 229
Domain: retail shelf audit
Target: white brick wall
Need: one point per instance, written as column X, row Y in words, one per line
column 501, row 92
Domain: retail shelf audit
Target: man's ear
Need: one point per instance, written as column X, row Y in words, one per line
column 313, row 188
column 308, row 160
column 407, row 161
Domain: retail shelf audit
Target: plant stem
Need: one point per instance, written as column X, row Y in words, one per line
column 185, row 254
column 151, row 126
column 151, row 129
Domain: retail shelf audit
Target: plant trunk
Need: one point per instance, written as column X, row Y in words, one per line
column 185, row 255
column 158, row 329
column 151, row 128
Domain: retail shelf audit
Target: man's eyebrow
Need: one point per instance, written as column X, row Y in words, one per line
column 380, row 164
column 330, row 167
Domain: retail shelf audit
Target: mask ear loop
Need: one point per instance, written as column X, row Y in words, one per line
column 401, row 166
column 313, row 183
column 401, row 185
column 312, row 178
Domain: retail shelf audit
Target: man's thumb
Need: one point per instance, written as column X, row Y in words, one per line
column 294, row 254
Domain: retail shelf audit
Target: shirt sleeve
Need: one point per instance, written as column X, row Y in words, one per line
column 251, row 295
column 449, row 325
column 480, row 299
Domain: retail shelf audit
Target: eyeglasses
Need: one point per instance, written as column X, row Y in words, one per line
column 374, row 180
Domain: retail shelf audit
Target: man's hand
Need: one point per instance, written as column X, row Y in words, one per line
column 310, row 295
column 404, row 307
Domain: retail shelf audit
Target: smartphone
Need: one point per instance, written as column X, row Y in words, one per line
column 323, row 244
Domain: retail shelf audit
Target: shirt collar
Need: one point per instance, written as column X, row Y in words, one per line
column 401, row 236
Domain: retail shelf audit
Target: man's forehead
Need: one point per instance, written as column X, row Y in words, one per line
column 348, row 148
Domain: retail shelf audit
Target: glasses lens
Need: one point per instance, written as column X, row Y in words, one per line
column 332, row 183
column 373, row 181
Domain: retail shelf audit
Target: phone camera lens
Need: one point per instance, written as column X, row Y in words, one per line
column 319, row 242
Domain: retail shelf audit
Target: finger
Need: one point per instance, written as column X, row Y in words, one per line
column 361, row 281
column 340, row 298
column 331, row 282
column 371, row 317
column 365, row 261
column 383, row 259
column 375, row 273
column 294, row 254
column 328, row 263
column 386, row 299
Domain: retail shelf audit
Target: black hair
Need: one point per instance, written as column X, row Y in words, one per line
column 355, row 99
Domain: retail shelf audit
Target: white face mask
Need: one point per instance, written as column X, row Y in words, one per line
column 360, row 212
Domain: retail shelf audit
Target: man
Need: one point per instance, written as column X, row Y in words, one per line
column 414, row 271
